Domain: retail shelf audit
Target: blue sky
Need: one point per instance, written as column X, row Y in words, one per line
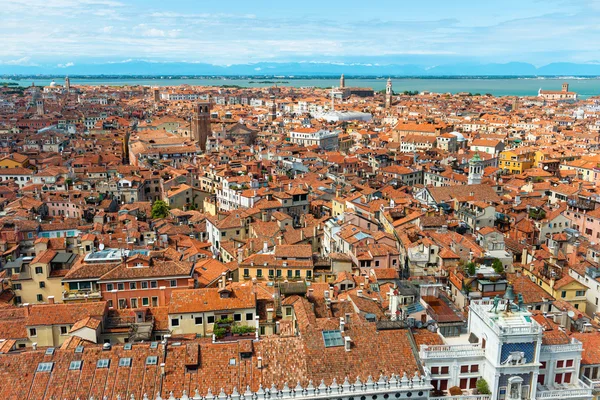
column 67, row 32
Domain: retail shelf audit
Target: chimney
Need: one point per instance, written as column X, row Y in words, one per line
column 310, row 293
column 270, row 314
column 347, row 343
column 280, row 239
column 162, row 300
column 222, row 281
column 359, row 292
column 266, row 247
column 34, row 345
column 301, row 234
column 326, row 294
column 26, row 309
column 190, row 282
column 240, row 254
column 50, row 299
column 342, row 323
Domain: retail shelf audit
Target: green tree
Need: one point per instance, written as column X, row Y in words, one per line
column 497, row 265
column 160, row 209
column 471, row 268
column 482, row 386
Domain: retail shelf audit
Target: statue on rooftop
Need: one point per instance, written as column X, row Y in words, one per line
column 496, row 303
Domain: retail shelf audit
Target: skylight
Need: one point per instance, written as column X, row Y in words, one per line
column 125, row 362
column 45, row 367
column 151, row 360
column 103, row 363
column 75, row 365
column 333, row 338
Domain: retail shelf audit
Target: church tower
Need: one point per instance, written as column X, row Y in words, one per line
column 475, row 170
column 201, row 123
column 388, row 93
column 67, row 84
column 342, row 82
column 273, row 112
column 39, row 104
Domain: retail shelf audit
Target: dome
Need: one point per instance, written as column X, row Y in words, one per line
column 459, row 136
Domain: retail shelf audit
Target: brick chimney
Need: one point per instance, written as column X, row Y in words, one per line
column 50, row 299
column 270, row 312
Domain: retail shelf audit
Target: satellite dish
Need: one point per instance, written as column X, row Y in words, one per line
column 101, row 246
column 571, row 314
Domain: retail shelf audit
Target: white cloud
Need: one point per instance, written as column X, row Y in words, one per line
column 67, row 65
column 23, row 61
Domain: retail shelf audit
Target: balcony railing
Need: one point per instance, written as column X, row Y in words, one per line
column 595, row 385
column 465, row 397
column 575, row 345
column 451, row 352
column 564, row 391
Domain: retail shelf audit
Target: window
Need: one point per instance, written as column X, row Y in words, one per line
column 435, row 370
column 289, row 273
column 308, row 274
column 279, row 273
column 153, row 284
column 563, row 294
column 125, row 362
column 246, row 272
column 18, row 299
column 49, row 351
column 580, row 293
column 475, row 368
column 144, row 285
column 198, row 320
column 151, row 360
column 39, row 270
column 333, row 338
column 444, row 371
column 288, row 311
column 464, row 369
column 42, row 284
column 75, row 365
column 40, row 297
column 249, row 316
column 132, row 285
column 271, row 273
column 109, row 303
column 297, row 273
column 174, row 321
column 154, row 301
column 103, row 363
column 145, row 302
column 79, row 349
column 17, row 286
column 237, row 317
column 109, row 287
column 210, row 319
column 63, row 330
column 541, row 379
column 173, row 283
column 560, row 364
column 120, row 286
column 259, row 273
column 567, row 378
column 134, row 302
column 569, row 363
column 122, row 303
column 44, row 367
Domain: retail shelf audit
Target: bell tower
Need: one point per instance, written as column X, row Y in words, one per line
column 201, row 123
column 475, row 170
column 388, row 93
column 342, row 82
column 67, row 84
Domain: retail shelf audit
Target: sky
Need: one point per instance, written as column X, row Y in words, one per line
column 68, row 32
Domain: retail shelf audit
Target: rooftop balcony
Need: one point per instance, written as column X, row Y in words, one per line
column 78, row 295
column 595, row 385
column 564, row 391
column 465, row 397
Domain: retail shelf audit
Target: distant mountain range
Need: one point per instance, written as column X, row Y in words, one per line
column 138, row 67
